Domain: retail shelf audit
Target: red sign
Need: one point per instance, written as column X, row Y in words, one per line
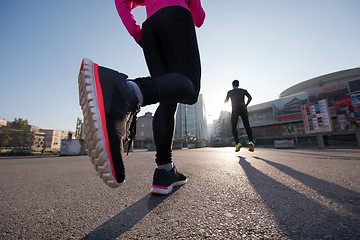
column 290, row 117
column 327, row 89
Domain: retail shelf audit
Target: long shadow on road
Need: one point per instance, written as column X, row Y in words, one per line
column 341, row 195
column 119, row 224
column 300, row 216
column 325, row 155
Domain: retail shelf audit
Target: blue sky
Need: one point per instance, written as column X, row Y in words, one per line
column 267, row 45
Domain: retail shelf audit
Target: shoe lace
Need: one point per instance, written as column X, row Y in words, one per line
column 132, row 133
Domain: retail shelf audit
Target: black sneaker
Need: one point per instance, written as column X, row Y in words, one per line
column 164, row 181
column 251, row 146
column 109, row 108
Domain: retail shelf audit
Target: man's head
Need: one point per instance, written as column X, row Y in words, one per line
column 235, row 83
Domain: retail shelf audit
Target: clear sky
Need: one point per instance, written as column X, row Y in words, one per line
column 267, row 45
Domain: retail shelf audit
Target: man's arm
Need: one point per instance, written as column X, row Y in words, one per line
column 249, row 98
column 227, row 98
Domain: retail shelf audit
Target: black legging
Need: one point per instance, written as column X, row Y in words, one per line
column 243, row 113
column 172, row 56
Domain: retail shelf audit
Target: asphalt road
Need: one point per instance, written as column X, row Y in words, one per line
column 268, row 194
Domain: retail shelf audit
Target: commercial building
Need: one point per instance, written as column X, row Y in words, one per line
column 53, row 138
column 190, row 126
column 144, row 132
column 191, row 123
column 327, row 105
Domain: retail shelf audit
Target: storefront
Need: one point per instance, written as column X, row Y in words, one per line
column 329, row 105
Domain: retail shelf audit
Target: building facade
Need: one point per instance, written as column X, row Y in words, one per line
column 144, row 131
column 286, row 117
column 328, row 105
column 190, row 119
column 53, row 138
column 191, row 123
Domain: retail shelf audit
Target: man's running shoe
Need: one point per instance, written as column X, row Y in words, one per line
column 237, row 147
column 251, row 146
column 109, row 108
column 164, row 181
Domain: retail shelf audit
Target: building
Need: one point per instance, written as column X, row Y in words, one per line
column 18, row 139
column 3, row 122
column 337, row 94
column 191, row 123
column 144, row 132
column 224, row 125
column 38, row 139
column 220, row 130
column 34, row 138
column 190, row 119
column 38, row 142
column 53, row 138
column 34, row 128
column 213, row 130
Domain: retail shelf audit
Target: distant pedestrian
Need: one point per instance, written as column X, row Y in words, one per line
column 239, row 108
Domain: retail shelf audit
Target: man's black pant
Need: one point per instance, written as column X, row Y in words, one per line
column 243, row 113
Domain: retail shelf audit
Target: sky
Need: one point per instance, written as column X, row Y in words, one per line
column 267, row 45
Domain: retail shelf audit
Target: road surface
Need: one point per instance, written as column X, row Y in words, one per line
column 268, row 194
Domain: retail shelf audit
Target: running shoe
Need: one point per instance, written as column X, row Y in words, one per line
column 237, row 147
column 164, row 181
column 251, row 146
column 109, row 108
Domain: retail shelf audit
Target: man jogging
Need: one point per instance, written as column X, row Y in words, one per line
column 237, row 96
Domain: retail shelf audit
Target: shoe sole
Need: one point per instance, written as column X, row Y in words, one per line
column 96, row 136
column 160, row 190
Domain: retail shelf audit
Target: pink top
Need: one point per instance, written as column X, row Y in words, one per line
column 124, row 8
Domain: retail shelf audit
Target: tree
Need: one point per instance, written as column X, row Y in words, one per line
column 16, row 134
column 20, row 124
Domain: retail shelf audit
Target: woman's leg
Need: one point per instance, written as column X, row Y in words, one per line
column 172, row 56
column 163, row 128
column 171, row 52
